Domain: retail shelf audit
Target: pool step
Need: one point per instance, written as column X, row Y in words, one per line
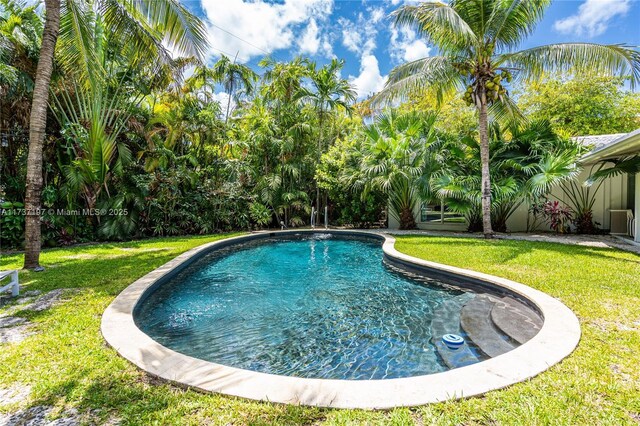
column 475, row 320
column 515, row 319
column 446, row 314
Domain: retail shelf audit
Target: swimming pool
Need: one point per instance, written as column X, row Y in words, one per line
column 337, row 319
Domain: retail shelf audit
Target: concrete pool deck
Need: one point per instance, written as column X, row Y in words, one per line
column 558, row 337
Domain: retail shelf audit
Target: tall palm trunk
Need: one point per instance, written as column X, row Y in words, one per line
column 37, row 128
column 484, row 159
column 320, row 136
column 229, row 92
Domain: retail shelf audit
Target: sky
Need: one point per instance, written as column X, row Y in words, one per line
column 362, row 34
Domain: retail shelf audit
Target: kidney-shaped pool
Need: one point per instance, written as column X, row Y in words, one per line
column 334, row 306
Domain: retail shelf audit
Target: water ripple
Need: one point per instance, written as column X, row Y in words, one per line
column 321, row 306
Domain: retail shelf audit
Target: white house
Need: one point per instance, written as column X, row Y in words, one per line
column 617, row 200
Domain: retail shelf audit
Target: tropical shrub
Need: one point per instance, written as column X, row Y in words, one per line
column 11, row 224
column 339, row 169
column 528, row 161
column 558, row 216
column 395, row 158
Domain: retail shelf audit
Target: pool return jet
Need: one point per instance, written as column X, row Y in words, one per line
column 313, row 217
column 314, row 214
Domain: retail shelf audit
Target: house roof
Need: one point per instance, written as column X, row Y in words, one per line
column 610, row 146
column 598, row 142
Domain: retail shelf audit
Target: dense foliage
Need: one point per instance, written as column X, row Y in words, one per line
column 584, row 104
column 136, row 148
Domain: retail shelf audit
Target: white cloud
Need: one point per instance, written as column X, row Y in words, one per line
column 377, row 14
column 327, row 48
column 351, row 38
column 406, row 47
column 260, row 27
column 223, row 99
column 370, row 80
column 359, row 36
column 593, row 17
column 310, row 42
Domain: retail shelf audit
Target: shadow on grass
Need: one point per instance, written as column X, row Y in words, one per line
column 508, row 250
column 145, row 400
column 108, row 275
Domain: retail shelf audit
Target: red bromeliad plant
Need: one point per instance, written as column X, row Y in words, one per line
column 559, row 216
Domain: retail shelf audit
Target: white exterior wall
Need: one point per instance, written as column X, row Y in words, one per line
column 394, row 224
column 611, row 195
column 637, row 208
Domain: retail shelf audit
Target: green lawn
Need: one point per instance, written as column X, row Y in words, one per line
column 68, row 365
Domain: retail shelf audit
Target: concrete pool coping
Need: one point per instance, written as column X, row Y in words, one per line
column 558, row 337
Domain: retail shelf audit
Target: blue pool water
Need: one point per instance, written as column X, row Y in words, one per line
column 317, row 306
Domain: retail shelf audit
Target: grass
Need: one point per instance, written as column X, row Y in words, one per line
column 68, row 365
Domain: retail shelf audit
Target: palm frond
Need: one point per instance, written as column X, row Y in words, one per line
column 437, row 71
column 506, row 111
column 629, row 165
column 552, row 170
column 476, row 14
column 610, row 59
column 77, row 32
column 129, row 26
column 439, row 23
column 182, row 30
column 513, row 20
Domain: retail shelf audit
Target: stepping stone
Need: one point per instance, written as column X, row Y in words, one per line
column 46, row 301
column 444, row 316
column 516, row 320
column 475, row 320
column 14, row 394
column 7, row 321
column 15, row 334
column 456, row 358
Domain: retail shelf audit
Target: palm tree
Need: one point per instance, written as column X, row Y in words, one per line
column 629, row 164
column 283, row 80
column 476, row 40
column 527, row 163
column 142, row 26
column 37, row 127
column 330, row 92
column 233, row 76
column 396, row 157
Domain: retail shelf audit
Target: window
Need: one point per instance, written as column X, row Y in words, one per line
column 438, row 213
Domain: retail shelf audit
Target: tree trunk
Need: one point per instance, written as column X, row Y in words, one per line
column 484, row 159
column 321, row 134
column 226, row 117
column 407, row 220
column 37, row 128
